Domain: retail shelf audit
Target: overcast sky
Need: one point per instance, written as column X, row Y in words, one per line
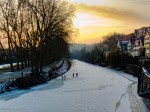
column 96, row 18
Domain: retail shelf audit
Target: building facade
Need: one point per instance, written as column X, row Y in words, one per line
column 147, row 44
column 135, row 42
column 143, row 40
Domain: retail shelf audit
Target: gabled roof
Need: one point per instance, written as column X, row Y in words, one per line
column 128, row 37
column 142, row 31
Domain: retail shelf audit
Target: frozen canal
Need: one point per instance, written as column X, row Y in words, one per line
column 96, row 89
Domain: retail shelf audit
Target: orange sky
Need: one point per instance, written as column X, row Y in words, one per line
column 94, row 20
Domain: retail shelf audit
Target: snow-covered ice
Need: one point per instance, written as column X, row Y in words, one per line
column 95, row 89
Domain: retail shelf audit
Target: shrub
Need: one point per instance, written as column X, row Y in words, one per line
column 26, row 82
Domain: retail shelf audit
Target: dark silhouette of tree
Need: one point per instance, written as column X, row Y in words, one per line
column 111, row 40
column 37, row 31
column 119, row 58
column 6, row 8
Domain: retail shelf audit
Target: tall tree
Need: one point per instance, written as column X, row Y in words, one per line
column 111, row 40
column 37, row 30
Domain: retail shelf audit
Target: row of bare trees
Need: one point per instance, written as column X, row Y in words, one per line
column 35, row 31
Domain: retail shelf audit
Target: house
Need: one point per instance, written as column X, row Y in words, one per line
column 135, row 51
column 126, row 42
column 123, row 44
column 142, row 41
column 147, row 42
column 130, row 43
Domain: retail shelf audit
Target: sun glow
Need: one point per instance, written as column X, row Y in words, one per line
column 92, row 27
column 97, row 18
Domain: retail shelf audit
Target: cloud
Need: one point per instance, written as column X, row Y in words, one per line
column 96, row 21
column 138, row 1
column 115, row 13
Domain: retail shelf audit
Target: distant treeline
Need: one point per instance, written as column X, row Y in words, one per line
column 106, row 53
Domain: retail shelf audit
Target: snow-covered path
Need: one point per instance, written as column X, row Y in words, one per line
column 95, row 89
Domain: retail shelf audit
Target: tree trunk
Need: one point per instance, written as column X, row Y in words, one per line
column 18, row 64
column 22, row 64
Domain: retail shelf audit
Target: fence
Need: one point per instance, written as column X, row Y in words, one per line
column 144, row 84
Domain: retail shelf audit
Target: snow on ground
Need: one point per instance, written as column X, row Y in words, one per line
column 6, row 65
column 95, row 89
column 15, row 74
column 63, row 69
column 27, row 71
column 7, row 77
column 141, row 103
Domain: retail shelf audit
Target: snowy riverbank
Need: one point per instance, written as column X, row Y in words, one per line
column 96, row 89
column 9, row 77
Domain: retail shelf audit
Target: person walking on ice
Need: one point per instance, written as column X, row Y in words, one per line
column 73, row 75
column 76, row 74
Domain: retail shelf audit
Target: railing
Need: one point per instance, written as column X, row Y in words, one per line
column 133, row 70
column 146, row 73
column 144, row 84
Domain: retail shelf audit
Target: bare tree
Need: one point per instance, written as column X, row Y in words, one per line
column 5, row 28
column 50, row 21
column 37, row 30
